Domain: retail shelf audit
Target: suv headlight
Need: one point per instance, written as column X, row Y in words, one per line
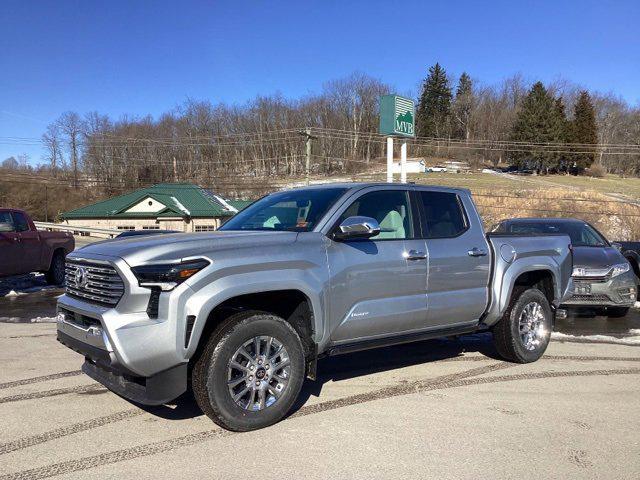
column 619, row 269
column 167, row 276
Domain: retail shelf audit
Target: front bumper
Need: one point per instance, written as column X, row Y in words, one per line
column 135, row 355
column 619, row 291
column 102, row 365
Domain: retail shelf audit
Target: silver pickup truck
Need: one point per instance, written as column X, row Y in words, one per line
column 242, row 315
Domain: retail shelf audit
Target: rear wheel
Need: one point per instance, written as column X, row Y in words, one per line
column 523, row 333
column 617, row 312
column 55, row 274
column 250, row 372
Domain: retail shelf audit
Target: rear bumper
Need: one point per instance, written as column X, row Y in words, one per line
column 103, row 368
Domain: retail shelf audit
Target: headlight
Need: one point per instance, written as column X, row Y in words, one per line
column 619, row 269
column 167, row 276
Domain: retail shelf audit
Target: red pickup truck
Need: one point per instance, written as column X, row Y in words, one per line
column 24, row 249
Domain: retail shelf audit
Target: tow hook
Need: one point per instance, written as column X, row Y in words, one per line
column 561, row 313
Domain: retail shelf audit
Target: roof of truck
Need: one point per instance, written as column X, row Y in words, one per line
column 359, row 185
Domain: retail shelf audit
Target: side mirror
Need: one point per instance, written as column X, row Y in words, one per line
column 617, row 246
column 354, row 228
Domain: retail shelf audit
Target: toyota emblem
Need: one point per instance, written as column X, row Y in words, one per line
column 81, row 277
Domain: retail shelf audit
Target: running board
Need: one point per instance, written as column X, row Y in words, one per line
column 399, row 339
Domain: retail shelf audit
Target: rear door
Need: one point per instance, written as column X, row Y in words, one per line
column 459, row 261
column 9, row 245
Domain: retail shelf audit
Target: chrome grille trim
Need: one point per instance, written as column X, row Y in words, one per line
column 104, row 285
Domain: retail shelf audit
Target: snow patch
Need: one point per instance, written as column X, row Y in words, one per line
column 633, row 340
column 182, row 208
column 44, row 320
column 225, row 204
column 9, row 320
column 13, row 293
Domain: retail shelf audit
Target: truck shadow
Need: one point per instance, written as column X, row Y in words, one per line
column 354, row 365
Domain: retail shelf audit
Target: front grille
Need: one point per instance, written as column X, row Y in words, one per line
column 93, row 282
column 590, row 298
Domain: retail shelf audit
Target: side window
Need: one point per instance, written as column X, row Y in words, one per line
column 21, row 222
column 443, row 214
column 390, row 208
column 6, row 222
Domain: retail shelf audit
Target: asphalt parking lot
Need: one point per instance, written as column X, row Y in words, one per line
column 441, row 409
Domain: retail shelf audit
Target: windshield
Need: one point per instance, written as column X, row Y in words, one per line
column 292, row 211
column 581, row 234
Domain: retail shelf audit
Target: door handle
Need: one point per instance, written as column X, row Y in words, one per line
column 415, row 255
column 477, row 252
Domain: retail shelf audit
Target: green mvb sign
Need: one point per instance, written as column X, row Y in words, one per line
column 397, row 116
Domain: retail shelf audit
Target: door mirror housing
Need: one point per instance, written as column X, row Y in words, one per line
column 617, row 246
column 357, row 228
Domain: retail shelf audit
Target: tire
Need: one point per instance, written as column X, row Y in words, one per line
column 512, row 343
column 617, row 312
column 213, row 369
column 55, row 274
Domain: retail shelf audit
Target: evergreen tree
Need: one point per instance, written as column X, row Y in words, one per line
column 434, row 108
column 584, row 130
column 537, row 122
column 462, row 107
column 563, row 129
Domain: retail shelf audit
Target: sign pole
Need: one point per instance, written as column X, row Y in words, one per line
column 389, row 159
column 403, row 162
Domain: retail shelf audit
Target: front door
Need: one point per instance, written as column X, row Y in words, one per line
column 30, row 249
column 376, row 290
column 9, row 246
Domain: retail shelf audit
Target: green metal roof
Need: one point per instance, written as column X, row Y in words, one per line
column 180, row 200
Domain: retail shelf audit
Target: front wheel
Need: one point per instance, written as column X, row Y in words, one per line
column 250, row 372
column 523, row 333
column 55, row 274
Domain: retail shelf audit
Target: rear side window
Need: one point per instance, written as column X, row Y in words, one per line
column 21, row 222
column 443, row 214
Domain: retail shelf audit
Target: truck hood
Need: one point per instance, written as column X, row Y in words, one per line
column 173, row 247
column 596, row 257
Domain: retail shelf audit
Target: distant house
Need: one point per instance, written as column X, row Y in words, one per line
column 166, row 206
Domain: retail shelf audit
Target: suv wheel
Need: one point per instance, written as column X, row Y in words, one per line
column 55, row 274
column 250, row 371
column 523, row 333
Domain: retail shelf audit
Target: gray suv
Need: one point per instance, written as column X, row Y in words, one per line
column 602, row 277
column 242, row 315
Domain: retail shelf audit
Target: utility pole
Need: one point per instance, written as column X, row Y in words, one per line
column 309, row 137
column 46, row 204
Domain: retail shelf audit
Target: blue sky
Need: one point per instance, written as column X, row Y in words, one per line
column 145, row 57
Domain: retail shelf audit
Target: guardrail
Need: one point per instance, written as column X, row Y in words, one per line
column 79, row 231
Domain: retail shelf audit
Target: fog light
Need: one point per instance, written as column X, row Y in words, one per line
column 628, row 293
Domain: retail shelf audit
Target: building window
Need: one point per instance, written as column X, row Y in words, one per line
column 205, row 228
column 126, row 227
column 151, row 227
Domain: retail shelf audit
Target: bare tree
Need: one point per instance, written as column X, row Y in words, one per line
column 72, row 126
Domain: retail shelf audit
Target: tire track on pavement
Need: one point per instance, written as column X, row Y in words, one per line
column 467, row 378
column 191, row 439
column 68, row 430
column 50, row 393
column 43, row 378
